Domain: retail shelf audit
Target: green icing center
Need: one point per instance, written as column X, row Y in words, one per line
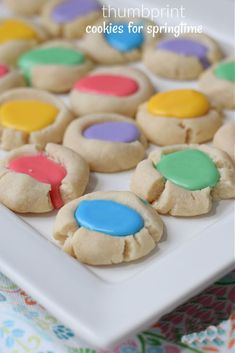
column 190, row 169
column 226, row 71
column 49, row 56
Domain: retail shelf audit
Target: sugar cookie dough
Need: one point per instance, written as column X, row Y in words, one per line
column 35, row 180
column 121, row 43
column 55, row 66
column 182, row 58
column 69, row 18
column 16, row 37
column 183, row 180
column 111, row 90
column 179, row 116
column 25, row 7
column 218, row 83
column 29, row 115
column 10, row 78
column 108, row 142
column 104, row 228
column 224, row 139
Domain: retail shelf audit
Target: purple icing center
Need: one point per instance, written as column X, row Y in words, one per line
column 186, row 47
column 68, row 10
column 114, row 131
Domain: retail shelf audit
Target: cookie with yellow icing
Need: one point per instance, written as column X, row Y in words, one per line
column 106, row 228
column 36, row 180
column 224, row 139
column 25, row 7
column 108, row 142
column 183, row 180
column 10, row 78
column 116, row 89
column 18, row 35
column 55, row 66
column 29, row 115
column 218, row 83
column 182, row 58
column 179, row 116
column 69, row 18
column 124, row 42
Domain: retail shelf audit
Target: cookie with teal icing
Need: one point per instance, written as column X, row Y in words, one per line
column 182, row 58
column 106, row 228
column 219, row 83
column 54, row 67
column 69, row 18
column 118, row 41
column 108, row 142
column 183, row 180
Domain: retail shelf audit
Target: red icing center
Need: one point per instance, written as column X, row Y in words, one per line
column 3, row 70
column 112, row 85
column 44, row 170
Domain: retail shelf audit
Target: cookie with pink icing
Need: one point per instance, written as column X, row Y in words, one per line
column 36, row 180
column 69, row 18
column 182, row 58
column 10, row 78
column 115, row 89
column 108, row 142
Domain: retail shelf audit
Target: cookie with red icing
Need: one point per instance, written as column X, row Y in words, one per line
column 37, row 180
column 111, row 90
column 10, row 78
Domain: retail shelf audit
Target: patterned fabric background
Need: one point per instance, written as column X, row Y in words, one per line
column 204, row 324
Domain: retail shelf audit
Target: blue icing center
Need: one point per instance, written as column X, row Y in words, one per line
column 125, row 41
column 108, row 217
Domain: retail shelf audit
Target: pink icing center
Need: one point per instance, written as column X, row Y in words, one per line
column 112, row 85
column 44, row 170
column 3, row 70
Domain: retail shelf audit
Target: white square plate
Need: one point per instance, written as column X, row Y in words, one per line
column 105, row 304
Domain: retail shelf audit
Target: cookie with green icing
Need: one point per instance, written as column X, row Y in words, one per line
column 219, row 83
column 54, row 67
column 106, row 228
column 183, row 180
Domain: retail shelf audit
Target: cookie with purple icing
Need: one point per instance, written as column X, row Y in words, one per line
column 108, row 142
column 182, row 58
column 69, row 18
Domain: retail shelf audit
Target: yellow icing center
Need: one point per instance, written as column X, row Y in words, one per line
column 27, row 115
column 182, row 103
column 16, row 30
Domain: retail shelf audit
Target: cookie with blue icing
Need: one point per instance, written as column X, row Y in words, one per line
column 118, row 41
column 182, row 58
column 183, row 180
column 105, row 228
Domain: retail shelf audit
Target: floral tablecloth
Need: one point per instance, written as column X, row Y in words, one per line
column 204, row 324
